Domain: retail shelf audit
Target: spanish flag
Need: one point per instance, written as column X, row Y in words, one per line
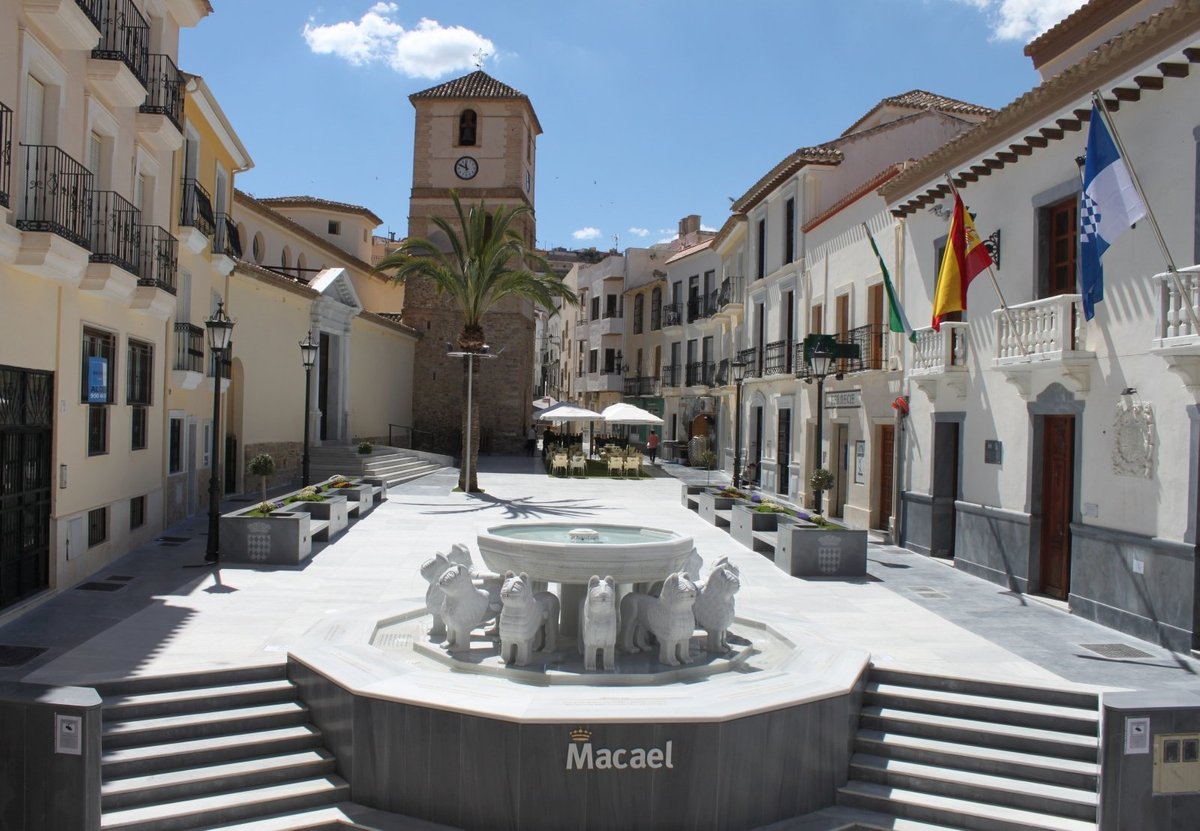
column 965, row 257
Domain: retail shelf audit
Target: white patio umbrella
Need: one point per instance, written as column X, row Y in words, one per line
column 566, row 411
column 622, row 413
column 544, row 402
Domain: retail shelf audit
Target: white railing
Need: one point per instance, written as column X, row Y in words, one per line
column 1040, row 330
column 934, row 353
column 1174, row 319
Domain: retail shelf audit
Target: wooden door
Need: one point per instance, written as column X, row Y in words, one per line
column 843, row 326
column 1062, row 244
column 873, row 359
column 885, row 479
column 783, row 441
column 1058, row 492
column 946, row 462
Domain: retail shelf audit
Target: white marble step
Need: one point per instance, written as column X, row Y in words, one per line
column 161, row 702
column 962, row 813
column 127, row 761
column 984, row 708
column 971, row 731
column 194, row 725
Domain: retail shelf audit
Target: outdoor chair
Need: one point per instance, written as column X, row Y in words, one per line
column 558, row 462
column 579, row 463
column 633, row 464
column 616, row 465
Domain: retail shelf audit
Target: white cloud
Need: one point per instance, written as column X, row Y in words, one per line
column 1023, row 20
column 708, row 229
column 587, row 233
column 428, row 50
column 640, row 232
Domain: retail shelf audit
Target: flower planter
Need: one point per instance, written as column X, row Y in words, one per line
column 282, row 539
column 360, row 498
column 334, row 510
column 688, row 496
column 803, row 549
column 708, row 503
column 746, row 522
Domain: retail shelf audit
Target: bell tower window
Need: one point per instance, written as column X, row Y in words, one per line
column 466, row 128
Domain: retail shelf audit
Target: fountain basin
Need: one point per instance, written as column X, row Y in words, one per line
column 547, row 552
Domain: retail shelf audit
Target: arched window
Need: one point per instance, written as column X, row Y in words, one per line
column 639, row 302
column 656, row 309
column 257, row 247
column 301, row 269
column 466, row 128
column 285, row 258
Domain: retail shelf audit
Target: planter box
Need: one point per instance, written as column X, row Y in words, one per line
column 708, row 503
column 746, row 521
column 332, row 510
column 805, row 550
column 281, row 539
column 360, row 498
column 688, row 497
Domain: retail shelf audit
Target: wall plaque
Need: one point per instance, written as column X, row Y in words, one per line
column 837, row 399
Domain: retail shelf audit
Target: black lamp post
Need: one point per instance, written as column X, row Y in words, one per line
column 308, row 354
column 739, row 372
column 220, row 333
column 821, row 354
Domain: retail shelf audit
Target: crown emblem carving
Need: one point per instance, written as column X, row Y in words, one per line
column 581, row 734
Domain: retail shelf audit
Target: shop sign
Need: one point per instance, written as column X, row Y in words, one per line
column 838, row 399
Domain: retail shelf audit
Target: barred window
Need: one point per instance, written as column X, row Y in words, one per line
column 141, row 373
column 137, row 512
column 97, row 379
column 97, row 526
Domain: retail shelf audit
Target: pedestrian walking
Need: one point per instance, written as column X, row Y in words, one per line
column 652, row 446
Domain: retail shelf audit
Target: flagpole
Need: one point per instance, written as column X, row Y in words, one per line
column 1012, row 323
column 1102, row 107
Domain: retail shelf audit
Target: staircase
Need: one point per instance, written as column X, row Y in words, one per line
column 199, row 751
column 975, row 755
column 388, row 464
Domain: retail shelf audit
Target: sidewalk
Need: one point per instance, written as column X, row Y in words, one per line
column 167, row 614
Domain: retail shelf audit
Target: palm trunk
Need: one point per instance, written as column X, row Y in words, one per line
column 470, row 437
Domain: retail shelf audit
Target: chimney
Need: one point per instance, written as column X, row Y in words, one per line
column 689, row 225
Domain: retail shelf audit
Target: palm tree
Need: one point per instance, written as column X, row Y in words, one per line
column 486, row 261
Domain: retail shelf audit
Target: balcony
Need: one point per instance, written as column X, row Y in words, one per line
column 721, row 378
column 672, row 315
column 188, row 370
column 701, row 373
column 119, row 65
column 6, row 124
column 729, row 295
column 775, row 358
column 226, row 245
column 55, row 212
column 940, row 358
column 750, row 358
column 671, row 375
column 1044, row 338
column 874, row 347
column 113, row 239
column 160, row 116
column 641, row 386
column 196, row 219
column 68, row 24
column 1177, row 336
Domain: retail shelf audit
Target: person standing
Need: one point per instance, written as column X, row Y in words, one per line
column 531, row 440
column 652, row 446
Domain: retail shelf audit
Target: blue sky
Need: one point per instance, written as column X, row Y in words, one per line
column 652, row 109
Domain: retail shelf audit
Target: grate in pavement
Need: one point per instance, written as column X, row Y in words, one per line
column 100, row 587
column 175, row 540
column 120, row 578
column 928, row 592
column 1116, row 650
column 15, row 656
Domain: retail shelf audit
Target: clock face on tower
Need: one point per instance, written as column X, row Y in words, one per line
column 466, row 168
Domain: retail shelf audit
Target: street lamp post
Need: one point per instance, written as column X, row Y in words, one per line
column 820, row 353
column 220, row 333
column 308, row 354
column 470, row 356
column 739, row 373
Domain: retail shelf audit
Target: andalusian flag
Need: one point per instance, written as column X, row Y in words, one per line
column 897, row 320
column 965, row 257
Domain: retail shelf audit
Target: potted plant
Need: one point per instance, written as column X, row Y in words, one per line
column 820, row 481
column 365, row 447
column 262, row 466
column 707, row 459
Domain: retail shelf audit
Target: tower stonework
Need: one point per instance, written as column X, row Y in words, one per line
column 477, row 136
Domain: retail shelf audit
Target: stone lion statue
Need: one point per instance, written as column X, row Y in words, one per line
column 668, row 617
column 598, row 623
column 714, row 603
column 432, row 570
column 524, row 615
column 463, row 606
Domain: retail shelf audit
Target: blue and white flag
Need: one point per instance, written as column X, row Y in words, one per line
column 1110, row 204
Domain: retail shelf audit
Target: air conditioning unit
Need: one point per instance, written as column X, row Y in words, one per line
column 893, row 363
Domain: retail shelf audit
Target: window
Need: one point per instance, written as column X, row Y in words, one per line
column 761, row 267
column 655, row 310
column 257, row 248
column 789, row 328
column 138, row 389
column 611, row 362
column 818, row 319
column 789, row 231
column 97, row 526
column 1060, row 243
column 593, row 360
column 175, row 444
column 137, row 512
column 335, row 227
column 639, row 303
column 610, row 305
column 98, row 365
column 596, row 307
column 466, row 128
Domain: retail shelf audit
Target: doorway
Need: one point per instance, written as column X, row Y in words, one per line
column 754, row 451
column 26, row 412
column 946, row 461
column 841, row 469
column 886, row 479
column 323, row 386
column 1057, row 503
column 784, row 455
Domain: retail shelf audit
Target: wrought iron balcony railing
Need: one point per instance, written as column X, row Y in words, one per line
column 700, row 373
column 226, row 240
column 189, row 347
column 94, row 9
column 57, row 194
column 195, row 209
column 639, row 385
column 114, row 237
column 582, row 320
column 775, row 358
column 874, row 346
column 721, row 378
column 751, row 359
column 124, row 36
column 729, row 292
column 673, row 314
column 6, row 122
column 158, row 258
column 164, row 89
column 670, row 375
column 612, row 313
